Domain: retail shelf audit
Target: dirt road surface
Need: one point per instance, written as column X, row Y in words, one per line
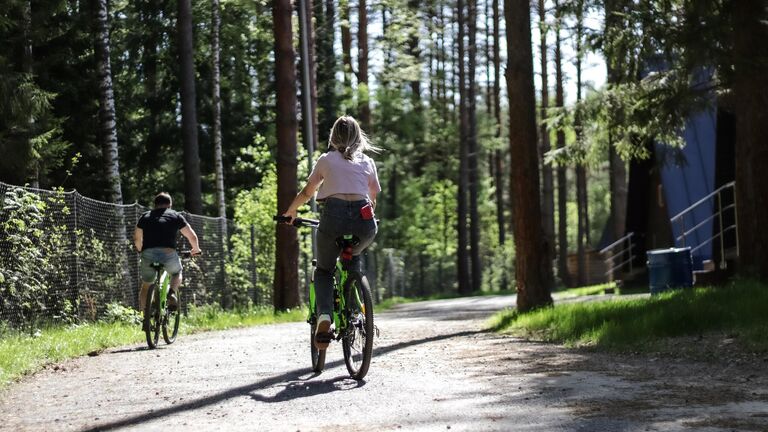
column 434, row 368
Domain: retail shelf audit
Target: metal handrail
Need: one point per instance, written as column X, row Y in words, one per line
column 613, row 267
column 701, row 201
column 717, row 214
column 617, row 242
column 703, row 222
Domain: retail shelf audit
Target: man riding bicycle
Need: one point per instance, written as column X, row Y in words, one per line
column 155, row 238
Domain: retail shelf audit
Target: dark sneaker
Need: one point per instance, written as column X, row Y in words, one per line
column 323, row 332
column 173, row 303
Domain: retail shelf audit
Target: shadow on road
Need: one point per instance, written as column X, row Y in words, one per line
column 307, row 387
column 293, row 379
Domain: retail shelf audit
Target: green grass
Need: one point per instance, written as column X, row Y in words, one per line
column 586, row 290
column 623, row 323
column 22, row 354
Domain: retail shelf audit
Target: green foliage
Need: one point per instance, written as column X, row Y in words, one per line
column 35, row 267
column 252, row 264
column 117, row 313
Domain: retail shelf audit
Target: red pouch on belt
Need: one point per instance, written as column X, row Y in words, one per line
column 366, row 212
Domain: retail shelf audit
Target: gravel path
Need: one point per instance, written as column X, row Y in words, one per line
column 434, row 368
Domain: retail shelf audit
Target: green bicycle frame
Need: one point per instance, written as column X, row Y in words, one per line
column 339, row 320
column 165, row 283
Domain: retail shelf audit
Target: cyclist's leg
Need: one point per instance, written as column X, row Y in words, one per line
column 172, row 264
column 327, row 251
column 147, row 275
column 365, row 231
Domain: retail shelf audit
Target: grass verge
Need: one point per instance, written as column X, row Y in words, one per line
column 21, row 354
column 637, row 323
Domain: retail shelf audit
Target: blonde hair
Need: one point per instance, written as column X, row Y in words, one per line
column 348, row 138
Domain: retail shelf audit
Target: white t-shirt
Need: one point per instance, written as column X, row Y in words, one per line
column 342, row 176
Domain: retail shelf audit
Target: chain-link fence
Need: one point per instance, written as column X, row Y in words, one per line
column 65, row 257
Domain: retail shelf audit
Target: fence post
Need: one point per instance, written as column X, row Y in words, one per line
column 256, row 296
column 226, row 292
column 75, row 295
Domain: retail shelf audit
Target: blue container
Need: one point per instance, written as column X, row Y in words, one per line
column 669, row 268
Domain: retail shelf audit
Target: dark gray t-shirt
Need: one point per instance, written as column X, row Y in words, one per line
column 161, row 227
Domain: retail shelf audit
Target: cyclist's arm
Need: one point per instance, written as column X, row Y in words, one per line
column 190, row 234
column 305, row 195
column 138, row 238
column 372, row 195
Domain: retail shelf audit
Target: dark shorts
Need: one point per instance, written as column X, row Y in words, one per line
column 167, row 257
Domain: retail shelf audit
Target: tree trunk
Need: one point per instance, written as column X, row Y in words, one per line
column 286, row 283
column 488, row 59
column 617, row 171
column 547, row 195
column 497, row 130
column 326, row 69
column 751, row 90
column 362, row 66
column 346, row 43
column 193, row 200
column 533, row 271
column 562, row 185
column 473, row 150
column 308, row 11
column 216, row 102
column 150, row 157
column 461, row 254
column 27, row 67
column 581, row 170
column 107, row 124
column 415, row 53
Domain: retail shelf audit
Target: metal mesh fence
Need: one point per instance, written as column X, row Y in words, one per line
column 65, row 257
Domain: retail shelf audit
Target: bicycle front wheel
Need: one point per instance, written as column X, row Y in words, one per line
column 171, row 322
column 358, row 338
column 152, row 316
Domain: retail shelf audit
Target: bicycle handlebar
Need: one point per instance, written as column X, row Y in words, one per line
column 188, row 254
column 297, row 222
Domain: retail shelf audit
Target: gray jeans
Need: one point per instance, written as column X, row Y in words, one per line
column 338, row 218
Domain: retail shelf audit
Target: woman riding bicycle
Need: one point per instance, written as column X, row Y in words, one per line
column 348, row 184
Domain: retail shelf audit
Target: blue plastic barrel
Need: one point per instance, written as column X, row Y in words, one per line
column 669, row 268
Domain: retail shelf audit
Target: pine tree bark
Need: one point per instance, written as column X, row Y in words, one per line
column 415, row 53
column 751, row 90
column 547, row 195
column 27, row 66
column 309, row 12
column 362, row 66
column 326, row 68
column 465, row 286
column 216, row 105
column 286, row 281
column 193, row 200
column 473, row 150
column 346, row 43
column 498, row 159
column 533, row 272
column 150, row 157
column 107, row 124
column 581, row 170
column 562, row 185
column 617, row 171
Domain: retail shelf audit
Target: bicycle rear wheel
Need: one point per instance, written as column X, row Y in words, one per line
column 358, row 338
column 152, row 316
column 318, row 355
column 171, row 322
